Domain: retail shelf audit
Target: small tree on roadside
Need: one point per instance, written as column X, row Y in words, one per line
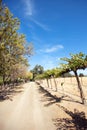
column 47, row 76
column 53, row 75
column 76, row 62
column 81, row 75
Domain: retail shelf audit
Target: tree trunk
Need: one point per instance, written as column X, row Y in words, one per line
column 48, row 83
column 4, row 80
column 81, row 80
column 55, row 83
column 51, row 82
column 80, row 88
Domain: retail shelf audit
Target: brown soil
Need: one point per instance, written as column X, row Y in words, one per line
column 41, row 108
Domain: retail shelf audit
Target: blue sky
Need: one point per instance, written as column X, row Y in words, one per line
column 55, row 27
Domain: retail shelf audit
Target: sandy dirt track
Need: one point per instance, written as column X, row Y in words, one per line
column 35, row 107
column 26, row 112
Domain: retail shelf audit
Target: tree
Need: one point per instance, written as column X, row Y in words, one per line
column 29, row 76
column 76, row 62
column 81, row 75
column 13, row 46
column 18, row 71
column 46, row 75
column 52, row 74
column 38, row 69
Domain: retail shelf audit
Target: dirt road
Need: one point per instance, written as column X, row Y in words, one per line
column 26, row 111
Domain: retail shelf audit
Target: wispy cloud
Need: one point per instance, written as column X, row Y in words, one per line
column 29, row 10
column 52, row 49
column 41, row 25
column 29, row 7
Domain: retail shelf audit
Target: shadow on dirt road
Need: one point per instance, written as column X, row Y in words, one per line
column 77, row 120
column 47, row 96
column 51, row 99
column 9, row 93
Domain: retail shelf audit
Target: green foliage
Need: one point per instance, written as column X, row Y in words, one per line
column 37, row 70
column 66, row 75
column 39, row 76
column 1, row 80
column 13, row 46
column 77, row 61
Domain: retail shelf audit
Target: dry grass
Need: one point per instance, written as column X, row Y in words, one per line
column 69, row 90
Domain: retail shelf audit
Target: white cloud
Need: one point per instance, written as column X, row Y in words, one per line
column 52, row 49
column 82, row 71
column 41, row 25
column 29, row 10
column 28, row 7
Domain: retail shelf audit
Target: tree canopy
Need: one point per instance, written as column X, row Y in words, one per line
column 13, row 46
column 38, row 69
column 77, row 61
